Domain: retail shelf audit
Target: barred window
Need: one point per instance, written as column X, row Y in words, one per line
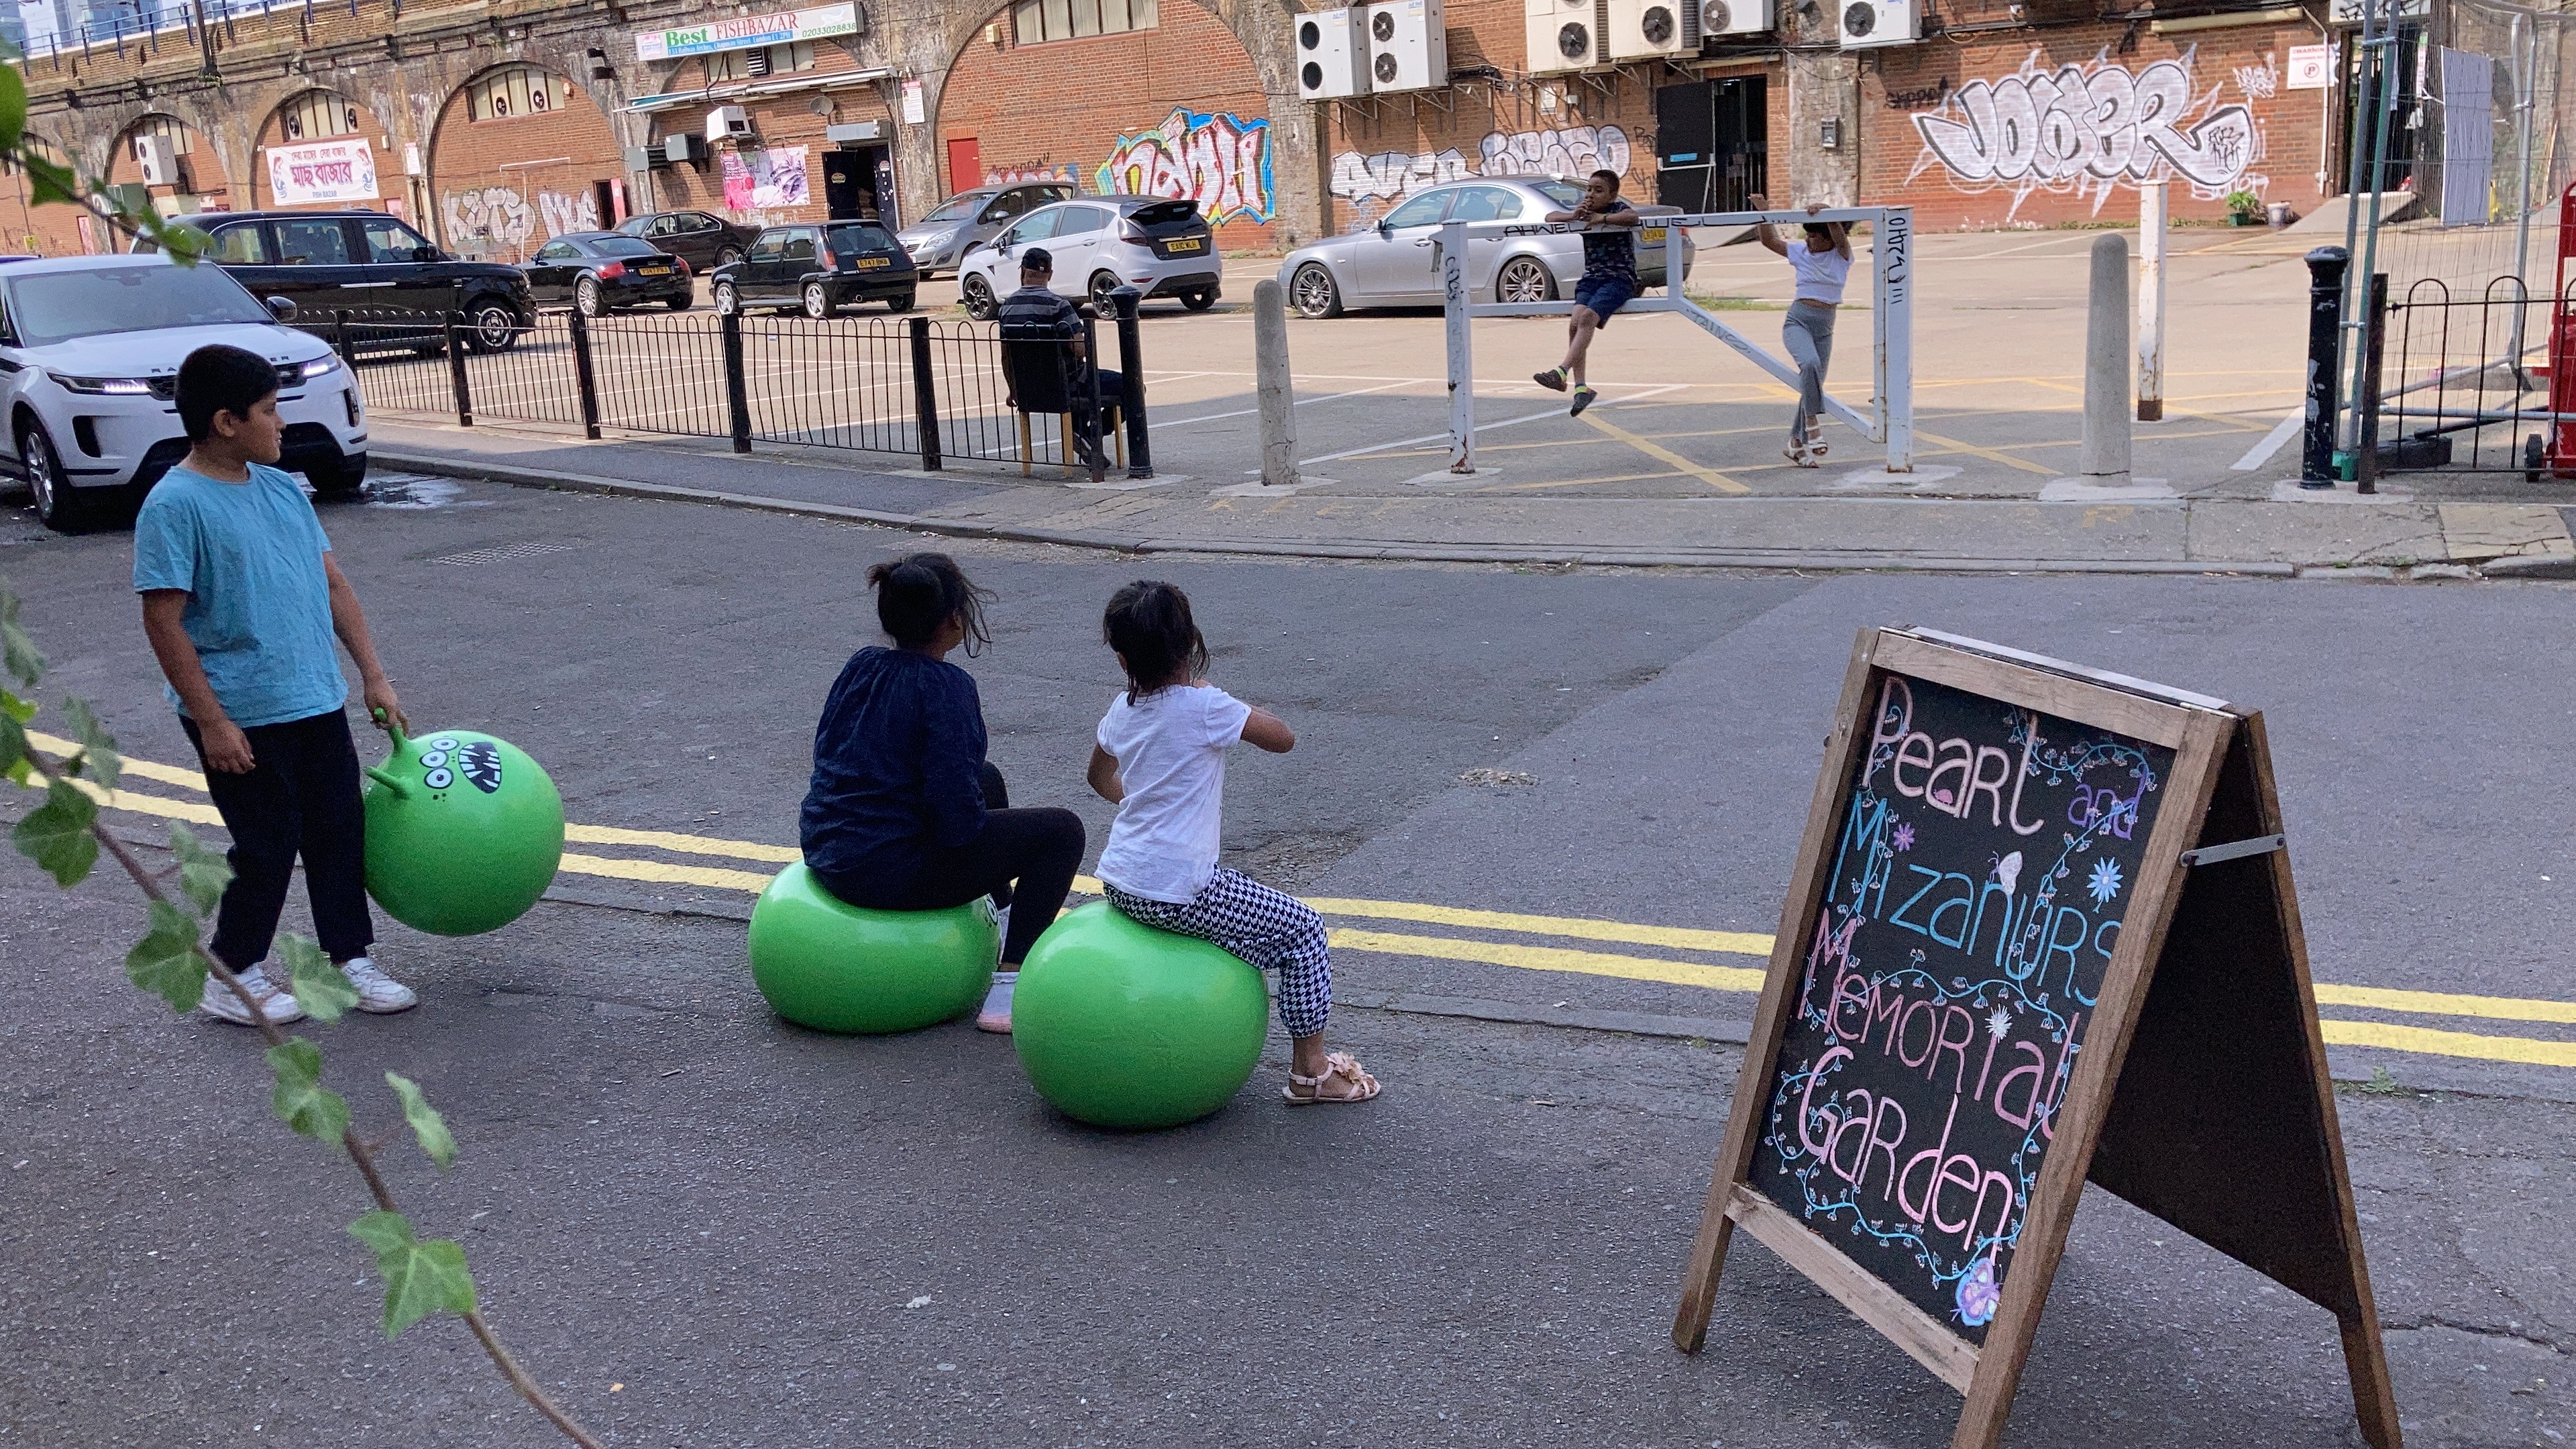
column 767, row 60
column 518, row 90
column 1035, row 22
column 315, row 115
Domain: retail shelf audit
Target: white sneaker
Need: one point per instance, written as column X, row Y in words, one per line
column 277, row 1006
column 377, row 992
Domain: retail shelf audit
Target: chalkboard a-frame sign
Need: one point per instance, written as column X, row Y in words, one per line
column 2041, row 931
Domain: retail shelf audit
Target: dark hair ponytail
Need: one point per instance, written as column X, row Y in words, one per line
column 1148, row 623
column 919, row 592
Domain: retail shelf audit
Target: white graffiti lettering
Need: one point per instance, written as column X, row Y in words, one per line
column 1220, row 161
column 1372, row 184
column 2088, row 129
column 488, row 219
column 567, row 213
column 2258, row 82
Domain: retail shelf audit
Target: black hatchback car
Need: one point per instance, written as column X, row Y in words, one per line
column 819, row 267
column 598, row 271
column 368, row 264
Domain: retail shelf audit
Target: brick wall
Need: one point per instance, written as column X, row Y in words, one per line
column 1173, row 111
column 503, row 215
column 2206, row 109
column 272, row 132
column 785, row 123
column 200, row 168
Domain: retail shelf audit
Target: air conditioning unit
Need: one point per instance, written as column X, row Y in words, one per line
column 728, row 123
column 683, row 146
column 1564, row 35
column 1408, row 45
column 1867, row 24
column 1716, row 18
column 159, row 159
column 1332, row 59
column 1644, row 29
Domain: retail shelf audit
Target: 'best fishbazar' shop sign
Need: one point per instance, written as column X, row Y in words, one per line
column 742, row 32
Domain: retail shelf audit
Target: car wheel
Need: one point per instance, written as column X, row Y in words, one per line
column 345, row 479
column 491, row 325
column 818, row 302
column 1102, row 284
column 1200, row 300
column 585, row 297
column 1524, row 279
column 728, row 301
column 728, row 256
column 900, row 302
column 1313, row 292
column 977, row 294
column 58, row 504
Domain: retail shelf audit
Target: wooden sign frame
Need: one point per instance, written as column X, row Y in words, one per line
column 2204, row 1049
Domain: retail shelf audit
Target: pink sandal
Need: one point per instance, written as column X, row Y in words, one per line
column 1344, row 1080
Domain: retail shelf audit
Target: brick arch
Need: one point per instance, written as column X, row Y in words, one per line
column 1185, row 108
column 201, row 167
column 488, row 200
column 381, row 145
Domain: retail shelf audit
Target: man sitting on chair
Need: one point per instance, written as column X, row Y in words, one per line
column 1036, row 312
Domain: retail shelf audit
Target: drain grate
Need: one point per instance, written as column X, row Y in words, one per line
column 471, row 557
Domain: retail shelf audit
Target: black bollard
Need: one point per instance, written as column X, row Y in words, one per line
column 1131, row 365
column 2325, row 329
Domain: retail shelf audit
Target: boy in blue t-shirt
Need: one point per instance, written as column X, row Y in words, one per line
column 241, row 600
column 1609, row 279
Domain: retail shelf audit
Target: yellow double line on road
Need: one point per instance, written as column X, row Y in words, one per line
column 1672, row 970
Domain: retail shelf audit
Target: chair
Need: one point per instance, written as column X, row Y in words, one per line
column 1034, row 368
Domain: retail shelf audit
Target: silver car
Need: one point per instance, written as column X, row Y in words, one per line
column 969, row 219
column 1392, row 263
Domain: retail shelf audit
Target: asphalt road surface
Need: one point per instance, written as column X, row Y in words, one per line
column 708, row 1228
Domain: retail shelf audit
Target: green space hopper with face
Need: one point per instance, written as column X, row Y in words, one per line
column 464, row 832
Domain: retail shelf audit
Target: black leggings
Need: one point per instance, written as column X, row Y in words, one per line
column 1040, row 849
column 300, row 798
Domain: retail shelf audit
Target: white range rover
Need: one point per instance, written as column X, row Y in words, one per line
column 90, row 349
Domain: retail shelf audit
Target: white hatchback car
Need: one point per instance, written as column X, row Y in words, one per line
column 90, row 349
column 1161, row 247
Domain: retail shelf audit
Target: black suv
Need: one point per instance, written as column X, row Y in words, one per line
column 821, row 268
column 364, row 262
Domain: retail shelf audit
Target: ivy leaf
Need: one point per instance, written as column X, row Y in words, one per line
column 185, row 244
column 55, row 835
column 24, row 661
column 426, row 1124
column 203, row 871
column 105, row 765
column 420, row 1278
column 13, row 748
column 318, row 985
column 49, row 181
column 307, row 1106
column 165, row 962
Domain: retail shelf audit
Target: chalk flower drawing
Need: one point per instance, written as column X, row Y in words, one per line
column 2104, row 883
column 1904, row 837
column 2088, row 129
column 1978, row 1295
column 1999, row 1025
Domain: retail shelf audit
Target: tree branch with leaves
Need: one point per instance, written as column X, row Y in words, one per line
column 50, row 181
column 64, row 836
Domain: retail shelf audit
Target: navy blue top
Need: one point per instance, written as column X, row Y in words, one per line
column 897, row 762
column 1612, row 253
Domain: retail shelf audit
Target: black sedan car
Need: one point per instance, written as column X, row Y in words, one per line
column 819, row 267
column 605, row 271
column 703, row 240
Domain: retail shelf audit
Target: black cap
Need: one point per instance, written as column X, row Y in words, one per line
column 1037, row 259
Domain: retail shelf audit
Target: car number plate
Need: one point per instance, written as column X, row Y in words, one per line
column 653, row 271
column 1183, row 244
column 871, row 263
column 1650, row 235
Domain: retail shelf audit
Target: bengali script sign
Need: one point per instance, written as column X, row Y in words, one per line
column 311, row 173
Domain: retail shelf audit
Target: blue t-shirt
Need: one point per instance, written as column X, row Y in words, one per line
column 898, row 766
column 249, row 556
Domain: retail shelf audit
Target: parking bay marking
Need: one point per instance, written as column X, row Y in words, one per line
column 2337, row 1031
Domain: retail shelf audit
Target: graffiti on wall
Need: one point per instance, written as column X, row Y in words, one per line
column 2085, row 130
column 1033, row 171
column 484, row 220
column 1220, row 161
column 1370, row 185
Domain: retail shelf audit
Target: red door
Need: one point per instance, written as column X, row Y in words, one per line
column 965, row 164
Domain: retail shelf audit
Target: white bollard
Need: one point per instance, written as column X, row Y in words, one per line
column 2151, row 300
column 1276, row 392
column 2105, row 456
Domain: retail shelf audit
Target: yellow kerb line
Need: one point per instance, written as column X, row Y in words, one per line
column 2421, row 1040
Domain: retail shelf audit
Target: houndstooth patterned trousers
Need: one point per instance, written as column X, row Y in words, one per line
column 1270, row 929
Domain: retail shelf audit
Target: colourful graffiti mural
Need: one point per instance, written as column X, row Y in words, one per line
column 1220, row 161
column 2088, row 129
column 1034, row 171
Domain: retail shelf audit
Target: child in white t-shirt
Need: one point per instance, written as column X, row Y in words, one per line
column 1160, row 757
